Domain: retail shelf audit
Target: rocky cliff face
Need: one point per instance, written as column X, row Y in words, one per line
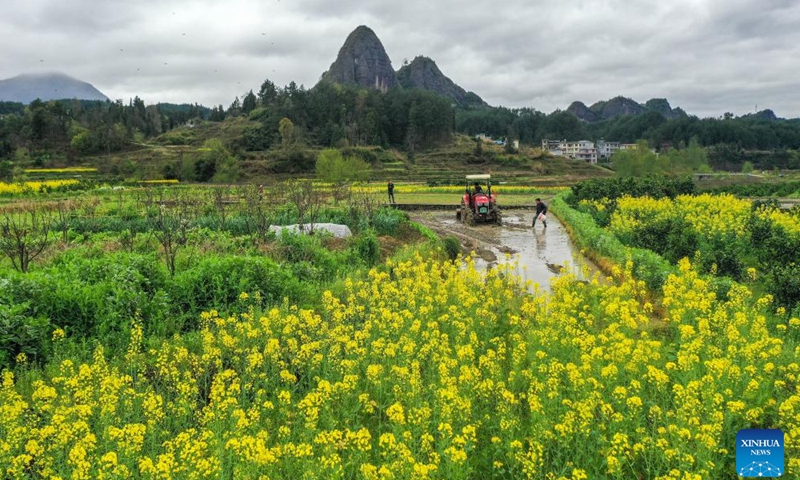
column 580, row 110
column 47, row 86
column 423, row 73
column 362, row 61
column 662, row 106
column 608, row 109
column 617, row 106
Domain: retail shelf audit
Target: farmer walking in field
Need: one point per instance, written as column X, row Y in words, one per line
column 390, row 188
column 541, row 213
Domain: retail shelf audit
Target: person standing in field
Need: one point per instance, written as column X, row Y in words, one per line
column 390, row 188
column 541, row 213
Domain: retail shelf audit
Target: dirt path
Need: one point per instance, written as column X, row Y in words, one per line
column 541, row 253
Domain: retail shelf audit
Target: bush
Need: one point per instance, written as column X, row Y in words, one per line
column 367, row 248
column 452, row 247
column 94, row 297
column 722, row 255
column 299, row 248
column 673, row 238
column 217, row 282
column 20, row 333
column 655, row 186
column 386, row 221
column 295, row 160
column 784, row 282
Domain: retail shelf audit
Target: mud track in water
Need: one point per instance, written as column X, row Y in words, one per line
column 541, row 253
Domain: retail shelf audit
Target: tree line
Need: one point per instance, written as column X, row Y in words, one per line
column 332, row 115
column 71, row 128
column 729, row 136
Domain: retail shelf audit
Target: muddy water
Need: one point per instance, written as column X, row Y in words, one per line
column 540, row 253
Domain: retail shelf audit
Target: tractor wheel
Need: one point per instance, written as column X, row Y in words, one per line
column 470, row 219
column 458, row 215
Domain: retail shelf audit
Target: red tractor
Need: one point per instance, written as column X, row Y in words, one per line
column 479, row 205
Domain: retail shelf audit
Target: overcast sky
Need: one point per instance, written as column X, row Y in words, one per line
column 706, row 56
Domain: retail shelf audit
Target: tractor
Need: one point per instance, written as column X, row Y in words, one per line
column 478, row 205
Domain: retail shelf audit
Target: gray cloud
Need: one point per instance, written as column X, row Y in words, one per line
column 707, row 56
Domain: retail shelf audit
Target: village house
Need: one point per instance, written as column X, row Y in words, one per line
column 606, row 149
column 580, row 150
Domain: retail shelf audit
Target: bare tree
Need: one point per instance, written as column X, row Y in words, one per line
column 362, row 203
column 170, row 225
column 257, row 209
column 221, row 204
column 308, row 202
column 25, row 233
column 66, row 211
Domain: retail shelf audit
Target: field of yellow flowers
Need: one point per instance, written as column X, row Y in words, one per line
column 7, row 189
column 423, row 370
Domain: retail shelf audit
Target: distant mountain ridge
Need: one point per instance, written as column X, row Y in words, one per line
column 609, row 109
column 47, row 86
column 363, row 61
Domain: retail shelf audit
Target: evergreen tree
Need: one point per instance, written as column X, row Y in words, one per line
column 249, row 103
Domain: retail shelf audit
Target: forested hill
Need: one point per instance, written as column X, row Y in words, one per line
column 71, row 128
column 750, row 132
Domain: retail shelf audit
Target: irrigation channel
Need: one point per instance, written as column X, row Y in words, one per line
column 540, row 253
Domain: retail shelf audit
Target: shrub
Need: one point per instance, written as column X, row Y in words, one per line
column 367, row 248
column 722, row 255
column 784, row 282
column 672, row 237
column 452, row 247
column 217, row 282
column 94, row 297
column 655, row 186
column 386, row 221
column 20, row 333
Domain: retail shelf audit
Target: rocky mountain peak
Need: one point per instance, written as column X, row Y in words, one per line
column 423, row 73
column 362, row 61
column 580, row 110
column 609, row 109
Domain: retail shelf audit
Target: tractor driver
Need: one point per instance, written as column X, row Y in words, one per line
column 478, row 188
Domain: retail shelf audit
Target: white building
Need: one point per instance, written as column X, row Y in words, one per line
column 587, row 154
column 606, row 149
column 582, row 149
column 550, row 145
